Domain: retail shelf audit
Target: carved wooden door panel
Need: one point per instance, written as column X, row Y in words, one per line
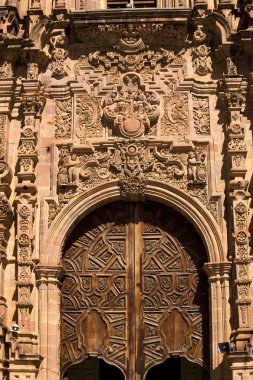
column 134, row 292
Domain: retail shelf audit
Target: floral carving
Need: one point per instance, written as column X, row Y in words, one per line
column 26, row 166
column 63, row 118
column 27, row 148
column 237, row 144
column 201, row 115
column 241, row 215
column 176, row 117
column 201, row 50
column 87, row 117
column 131, row 108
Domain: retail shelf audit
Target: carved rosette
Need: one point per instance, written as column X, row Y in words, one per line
column 131, row 110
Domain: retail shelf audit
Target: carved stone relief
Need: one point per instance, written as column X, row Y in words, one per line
column 175, row 121
column 3, row 125
column 87, row 118
column 201, row 115
column 63, row 118
column 5, row 70
column 201, row 51
column 133, row 164
column 59, row 54
column 131, row 109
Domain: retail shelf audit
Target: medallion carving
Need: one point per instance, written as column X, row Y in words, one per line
column 131, row 109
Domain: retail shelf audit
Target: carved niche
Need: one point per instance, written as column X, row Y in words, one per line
column 133, row 283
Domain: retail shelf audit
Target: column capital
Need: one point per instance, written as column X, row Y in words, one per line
column 48, row 274
column 216, row 271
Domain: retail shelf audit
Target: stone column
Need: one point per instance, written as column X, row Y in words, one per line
column 49, row 321
column 218, row 278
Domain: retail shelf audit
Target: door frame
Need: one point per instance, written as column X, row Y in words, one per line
column 49, row 271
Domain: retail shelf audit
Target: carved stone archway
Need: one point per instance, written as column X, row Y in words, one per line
column 49, row 271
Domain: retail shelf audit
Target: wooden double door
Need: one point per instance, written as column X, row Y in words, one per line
column 134, row 292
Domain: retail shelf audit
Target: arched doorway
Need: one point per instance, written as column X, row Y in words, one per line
column 134, row 292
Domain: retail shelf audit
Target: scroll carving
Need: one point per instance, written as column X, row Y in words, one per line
column 132, row 164
column 176, row 118
column 87, row 118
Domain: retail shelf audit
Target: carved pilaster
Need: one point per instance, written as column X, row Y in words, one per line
column 238, row 198
column 48, row 282
column 26, row 200
column 219, row 275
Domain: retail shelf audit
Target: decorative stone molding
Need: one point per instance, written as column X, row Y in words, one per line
column 133, row 164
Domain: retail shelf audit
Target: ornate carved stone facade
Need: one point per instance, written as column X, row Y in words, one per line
column 125, row 181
